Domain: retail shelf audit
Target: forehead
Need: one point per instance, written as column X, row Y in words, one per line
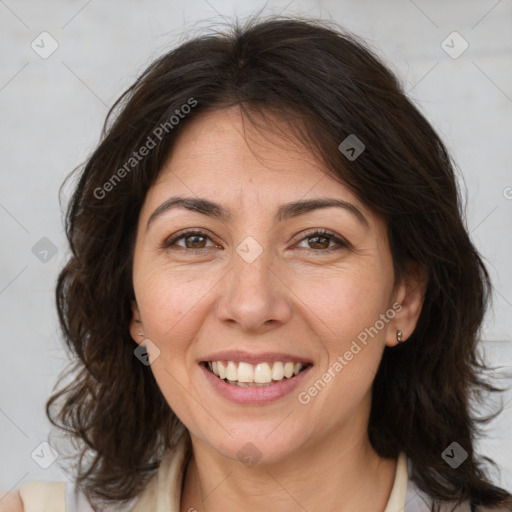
column 231, row 143
column 222, row 154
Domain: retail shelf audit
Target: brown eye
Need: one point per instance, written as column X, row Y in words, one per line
column 320, row 241
column 192, row 240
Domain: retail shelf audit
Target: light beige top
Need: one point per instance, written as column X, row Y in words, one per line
column 157, row 497
column 163, row 491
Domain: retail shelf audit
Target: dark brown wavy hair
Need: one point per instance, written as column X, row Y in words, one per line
column 326, row 84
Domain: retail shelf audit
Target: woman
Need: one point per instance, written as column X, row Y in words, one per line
column 272, row 298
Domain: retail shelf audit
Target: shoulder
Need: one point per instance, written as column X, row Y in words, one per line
column 12, row 503
column 38, row 496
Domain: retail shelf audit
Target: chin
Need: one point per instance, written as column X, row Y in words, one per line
column 252, row 447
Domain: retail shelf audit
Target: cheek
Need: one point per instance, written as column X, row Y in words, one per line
column 170, row 302
column 345, row 303
column 347, row 311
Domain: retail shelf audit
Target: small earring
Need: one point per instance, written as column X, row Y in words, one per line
column 399, row 336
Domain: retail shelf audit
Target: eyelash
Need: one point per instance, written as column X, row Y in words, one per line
column 342, row 244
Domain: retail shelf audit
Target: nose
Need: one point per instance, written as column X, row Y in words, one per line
column 254, row 295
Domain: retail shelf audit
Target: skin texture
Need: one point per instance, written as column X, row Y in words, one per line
column 299, row 296
column 11, row 502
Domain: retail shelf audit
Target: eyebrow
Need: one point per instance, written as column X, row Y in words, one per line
column 284, row 212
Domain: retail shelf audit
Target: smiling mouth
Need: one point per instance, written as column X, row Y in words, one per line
column 239, row 373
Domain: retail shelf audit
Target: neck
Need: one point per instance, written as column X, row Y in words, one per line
column 352, row 477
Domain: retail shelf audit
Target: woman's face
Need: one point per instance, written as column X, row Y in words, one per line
column 253, row 288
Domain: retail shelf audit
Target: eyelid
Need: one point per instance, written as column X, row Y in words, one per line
column 169, row 241
column 341, row 241
column 338, row 239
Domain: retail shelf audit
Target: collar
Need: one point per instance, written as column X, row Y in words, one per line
column 163, row 491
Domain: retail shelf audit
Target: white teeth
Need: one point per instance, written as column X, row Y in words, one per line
column 246, row 374
column 262, row 373
column 278, row 371
column 221, row 369
column 231, row 371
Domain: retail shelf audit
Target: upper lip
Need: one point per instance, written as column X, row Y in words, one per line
column 254, row 358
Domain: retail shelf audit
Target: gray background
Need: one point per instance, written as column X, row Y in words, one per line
column 52, row 110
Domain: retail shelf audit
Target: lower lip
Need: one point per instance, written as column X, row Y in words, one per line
column 254, row 395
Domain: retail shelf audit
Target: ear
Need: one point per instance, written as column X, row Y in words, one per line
column 136, row 324
column 410, row 294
